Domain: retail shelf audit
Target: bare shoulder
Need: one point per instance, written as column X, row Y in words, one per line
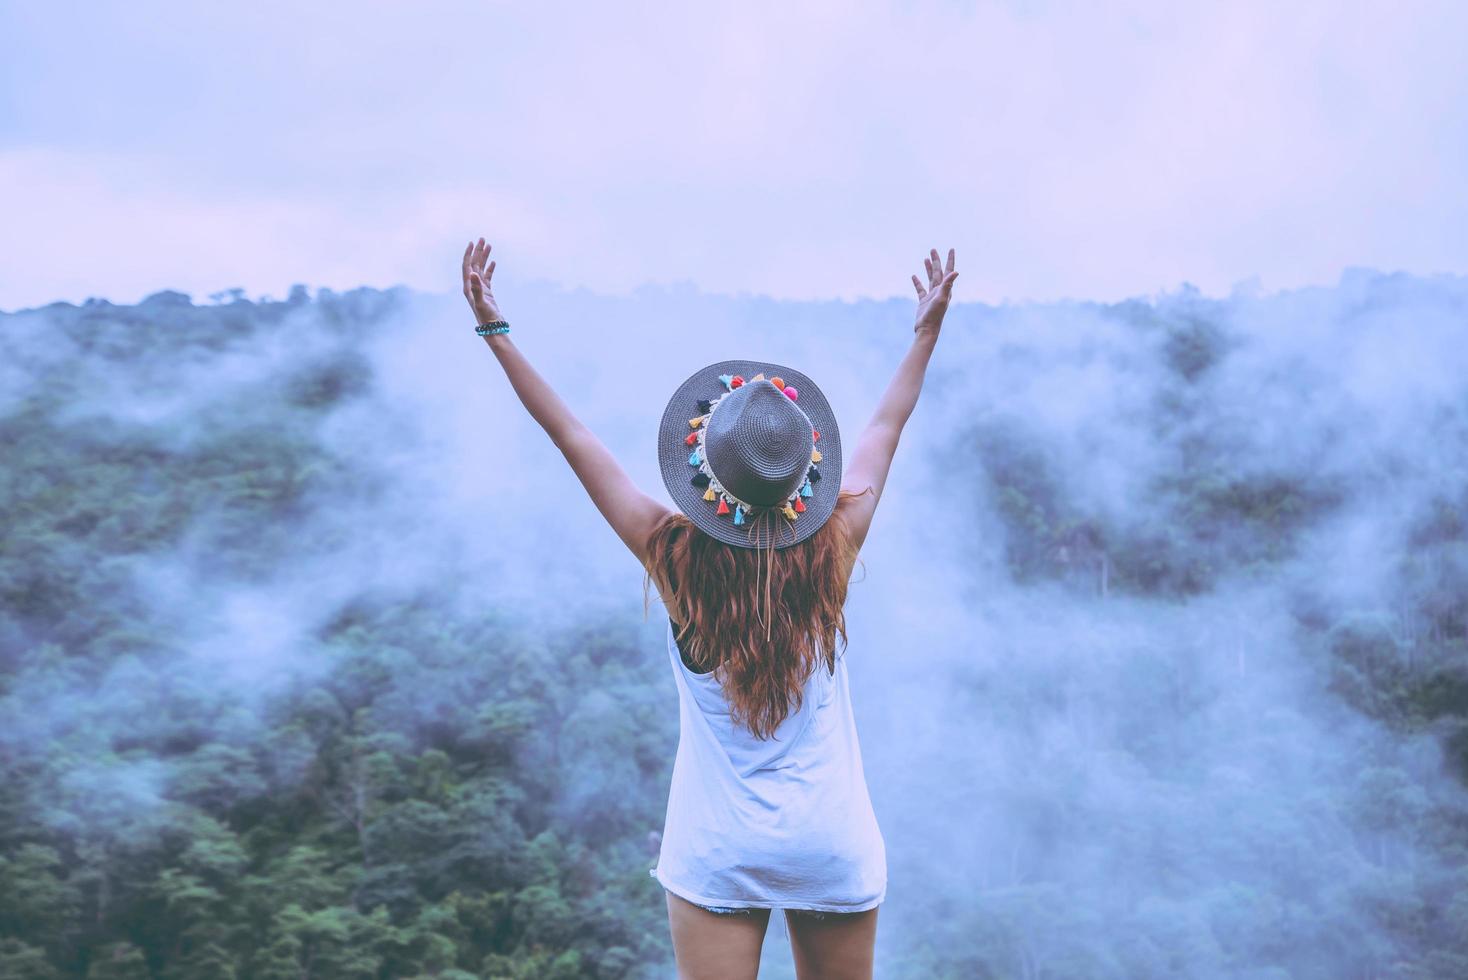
column 841, row 524
column 855, row 507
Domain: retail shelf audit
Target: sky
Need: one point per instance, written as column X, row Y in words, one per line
column 808, row 151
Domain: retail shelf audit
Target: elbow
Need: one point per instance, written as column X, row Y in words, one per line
column 886, row 430
column 567, row 436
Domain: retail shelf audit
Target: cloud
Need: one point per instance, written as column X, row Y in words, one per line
column 793, row 152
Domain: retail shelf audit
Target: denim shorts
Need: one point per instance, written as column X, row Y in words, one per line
column 733, row 910
column 725, row 909
column 744, row 910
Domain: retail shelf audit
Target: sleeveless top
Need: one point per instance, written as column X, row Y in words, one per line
column 781, row 823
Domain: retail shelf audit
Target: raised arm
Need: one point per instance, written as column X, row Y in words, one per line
column 869, row 463
column 631, row 513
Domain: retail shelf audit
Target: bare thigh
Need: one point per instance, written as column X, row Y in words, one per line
column 709, row 946
column 835, row 946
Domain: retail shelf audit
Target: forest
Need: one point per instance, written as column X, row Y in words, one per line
column 402, row 777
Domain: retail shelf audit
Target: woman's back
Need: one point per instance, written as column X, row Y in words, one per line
column 784, row 822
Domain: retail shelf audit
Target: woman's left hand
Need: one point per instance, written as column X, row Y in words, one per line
column 477, row 283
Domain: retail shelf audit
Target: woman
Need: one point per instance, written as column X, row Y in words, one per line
column 768, row 806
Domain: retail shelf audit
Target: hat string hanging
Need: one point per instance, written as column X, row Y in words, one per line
column 770, row 579
column 765, row 568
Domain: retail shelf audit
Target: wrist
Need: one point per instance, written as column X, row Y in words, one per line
column 925, row 333
column 491, row 327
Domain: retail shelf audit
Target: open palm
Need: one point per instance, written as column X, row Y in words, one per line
column 477, row 278
column 933, row 300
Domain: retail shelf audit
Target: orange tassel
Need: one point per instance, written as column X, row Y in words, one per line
column 723, row 504
column 778, row 383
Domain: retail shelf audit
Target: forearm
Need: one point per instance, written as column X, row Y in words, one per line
column 902, row 392
column 535, row 393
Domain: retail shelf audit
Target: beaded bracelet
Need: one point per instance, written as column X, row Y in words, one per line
column 493, row 326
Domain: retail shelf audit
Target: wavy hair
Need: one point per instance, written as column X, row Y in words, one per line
column 761, row 618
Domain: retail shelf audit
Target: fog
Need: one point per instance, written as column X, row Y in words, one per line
column 1136, row 644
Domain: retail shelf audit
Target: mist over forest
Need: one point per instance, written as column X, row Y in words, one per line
column 316, row 661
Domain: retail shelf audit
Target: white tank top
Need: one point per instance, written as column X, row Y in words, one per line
column 783, row 823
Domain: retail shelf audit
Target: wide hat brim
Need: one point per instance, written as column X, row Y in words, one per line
column 768, row 528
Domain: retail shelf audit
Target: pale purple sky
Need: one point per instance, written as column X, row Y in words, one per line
column 805, row 150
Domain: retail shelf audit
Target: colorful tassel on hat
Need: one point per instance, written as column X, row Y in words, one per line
column 738, row 515
column 694, row 458
column 758, row 377
column 723, row 505
column 692, row 438
column 696, row 421
column 728, row 380
column 815, row 455
column 799, row 506
column 792, row 392
column 813, row 474
column 815, row 434
column 708, row 494
column 704, row 405
column 806, row 491
column 700, row 479
column 778, row 383
column 735, row 382
column 789, row 511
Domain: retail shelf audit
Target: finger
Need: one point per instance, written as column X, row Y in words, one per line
column 485, row 258
column 489, row 276
column 476, row 285
column 467, row 250
column 479, row 255
column 936, row 268
column 928, row 265
column 950, row 260
column 917, row 285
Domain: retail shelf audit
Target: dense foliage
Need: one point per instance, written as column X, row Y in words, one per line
column 437, row 793
column 416, row 790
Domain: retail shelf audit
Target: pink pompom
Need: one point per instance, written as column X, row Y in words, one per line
column 790, row 391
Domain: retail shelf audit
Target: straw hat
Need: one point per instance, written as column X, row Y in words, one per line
column 751, row 453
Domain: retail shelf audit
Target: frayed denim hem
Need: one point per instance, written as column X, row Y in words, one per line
column 744, row 910
column 725, row 909
column 731, row 910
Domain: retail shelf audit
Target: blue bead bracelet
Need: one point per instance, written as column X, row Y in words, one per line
column 493, row 326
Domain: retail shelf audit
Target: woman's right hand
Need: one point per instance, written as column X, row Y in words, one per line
column 477, row 282
column 933, row 301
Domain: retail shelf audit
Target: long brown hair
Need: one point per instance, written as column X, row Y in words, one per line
column 762, row 617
